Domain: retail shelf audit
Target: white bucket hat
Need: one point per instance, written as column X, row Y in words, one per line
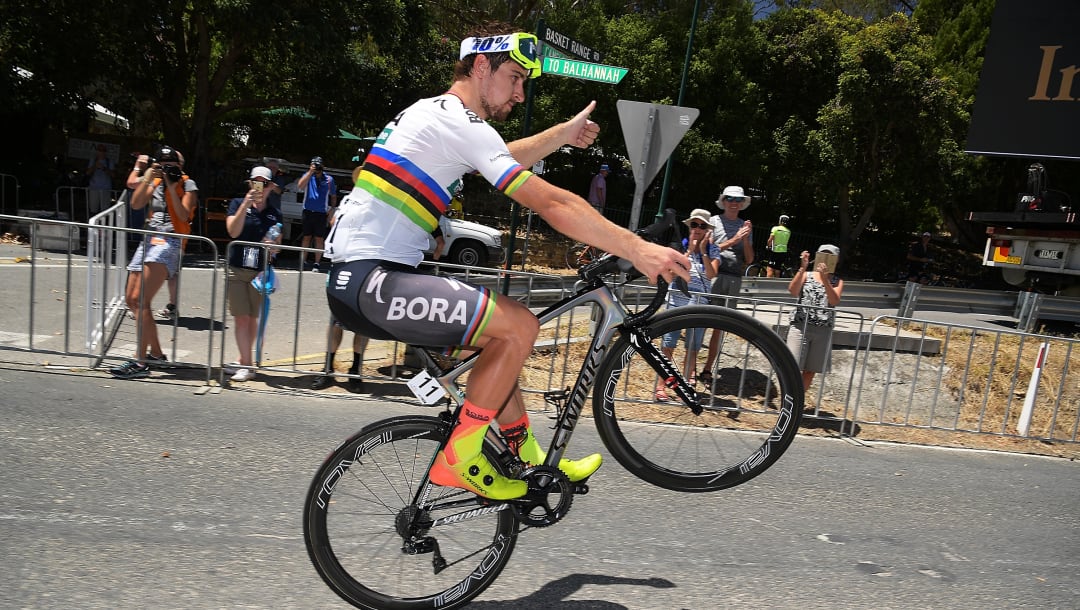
column 737, row 193
column 699, row 214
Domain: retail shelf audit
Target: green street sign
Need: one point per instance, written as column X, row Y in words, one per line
column 584, row 70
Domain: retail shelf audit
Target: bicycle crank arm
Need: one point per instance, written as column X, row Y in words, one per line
column 666, row 369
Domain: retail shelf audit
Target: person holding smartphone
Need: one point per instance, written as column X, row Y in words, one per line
column 819, row 291
column 249, row 219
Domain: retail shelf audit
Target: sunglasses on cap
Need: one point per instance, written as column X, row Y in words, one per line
column 522, row 48
column 730, row 199
column 699, row 225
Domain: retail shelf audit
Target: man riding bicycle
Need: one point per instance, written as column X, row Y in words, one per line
column 374, row 287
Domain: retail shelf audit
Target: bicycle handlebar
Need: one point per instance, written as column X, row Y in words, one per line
column 664, row 231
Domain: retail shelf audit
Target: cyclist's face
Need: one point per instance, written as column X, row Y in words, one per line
column 504, row 88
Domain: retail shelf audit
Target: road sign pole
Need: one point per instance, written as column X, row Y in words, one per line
column 640, row 182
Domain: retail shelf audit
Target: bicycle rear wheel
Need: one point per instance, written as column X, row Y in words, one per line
column 752, row 399
column 376, row 547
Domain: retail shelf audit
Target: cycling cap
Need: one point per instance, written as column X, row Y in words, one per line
column 522, row 48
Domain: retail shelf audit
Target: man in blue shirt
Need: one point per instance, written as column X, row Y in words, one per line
column 320, row 194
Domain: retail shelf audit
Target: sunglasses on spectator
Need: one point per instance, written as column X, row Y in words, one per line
column 734, row 199
column 699, row 225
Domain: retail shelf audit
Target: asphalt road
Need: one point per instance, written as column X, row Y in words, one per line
column 134, row 494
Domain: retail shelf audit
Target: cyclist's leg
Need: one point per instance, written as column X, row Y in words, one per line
column 380, row 299
column 506, row 340
column 519, row 436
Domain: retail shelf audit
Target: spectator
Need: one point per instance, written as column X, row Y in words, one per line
column 919, row 259
column 704, row 262
column 734, row 237
column 170, row 312
column 778, row 246
column 99, row 188
column 278, row 184
column 172, row 198
column 136, row 218
column 334, row 336
column 320, row 196
column 248, row 219
column 810, row 333
column 598, row 189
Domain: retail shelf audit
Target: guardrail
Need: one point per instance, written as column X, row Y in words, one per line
column 1027, row 307
column 889, row 371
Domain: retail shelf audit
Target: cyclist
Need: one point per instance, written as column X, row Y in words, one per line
column 374, row 287
column 778, row 246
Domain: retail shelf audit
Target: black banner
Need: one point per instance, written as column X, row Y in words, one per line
column 1028, row 101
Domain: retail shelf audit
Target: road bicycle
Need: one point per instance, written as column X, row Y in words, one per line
column 759, row 268
column 381, row 535
column 580, row 254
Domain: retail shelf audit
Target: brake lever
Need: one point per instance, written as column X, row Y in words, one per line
column 682, row 286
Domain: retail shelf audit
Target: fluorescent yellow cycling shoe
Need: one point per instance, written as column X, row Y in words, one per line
column 575, row 470
column 478, row 476
column 579, row 470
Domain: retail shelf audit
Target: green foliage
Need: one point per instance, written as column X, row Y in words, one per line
column 847, row 115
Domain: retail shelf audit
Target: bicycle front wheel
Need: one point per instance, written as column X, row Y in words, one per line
column 381, row 541
column 752, row 399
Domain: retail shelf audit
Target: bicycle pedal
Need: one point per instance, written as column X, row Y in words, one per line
column 580, row 488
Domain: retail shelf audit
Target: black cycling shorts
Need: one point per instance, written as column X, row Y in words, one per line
column 314, row 224
column 385, row 300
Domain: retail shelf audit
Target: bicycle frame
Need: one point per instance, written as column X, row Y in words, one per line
column 614, row 318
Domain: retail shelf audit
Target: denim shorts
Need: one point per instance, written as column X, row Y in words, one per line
column 694, row 339
column 157, row 249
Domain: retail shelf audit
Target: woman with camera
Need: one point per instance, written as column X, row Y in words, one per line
column 170, row 198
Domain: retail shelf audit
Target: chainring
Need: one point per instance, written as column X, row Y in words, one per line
column 536, row 508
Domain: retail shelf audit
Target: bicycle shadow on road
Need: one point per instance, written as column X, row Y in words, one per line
column 553, row 594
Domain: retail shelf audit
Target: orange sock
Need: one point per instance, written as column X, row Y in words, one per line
column 467, row 438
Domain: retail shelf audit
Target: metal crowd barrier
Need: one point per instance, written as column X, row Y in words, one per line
column 889, row 371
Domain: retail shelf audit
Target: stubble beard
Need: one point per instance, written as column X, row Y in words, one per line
column 495, row 113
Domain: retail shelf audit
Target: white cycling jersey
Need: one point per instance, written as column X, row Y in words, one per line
column 404, row 186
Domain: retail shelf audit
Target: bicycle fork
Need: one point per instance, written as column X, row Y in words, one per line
column 665, row 368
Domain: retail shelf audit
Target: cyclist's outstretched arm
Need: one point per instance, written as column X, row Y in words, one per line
column 578, row 131
column 572, row 216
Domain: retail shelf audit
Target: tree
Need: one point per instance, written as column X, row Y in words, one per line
column 799, row 72
column 889, row 139
column 194, row 69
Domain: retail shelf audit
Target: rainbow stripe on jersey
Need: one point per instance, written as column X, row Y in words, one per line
column 398, row 182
